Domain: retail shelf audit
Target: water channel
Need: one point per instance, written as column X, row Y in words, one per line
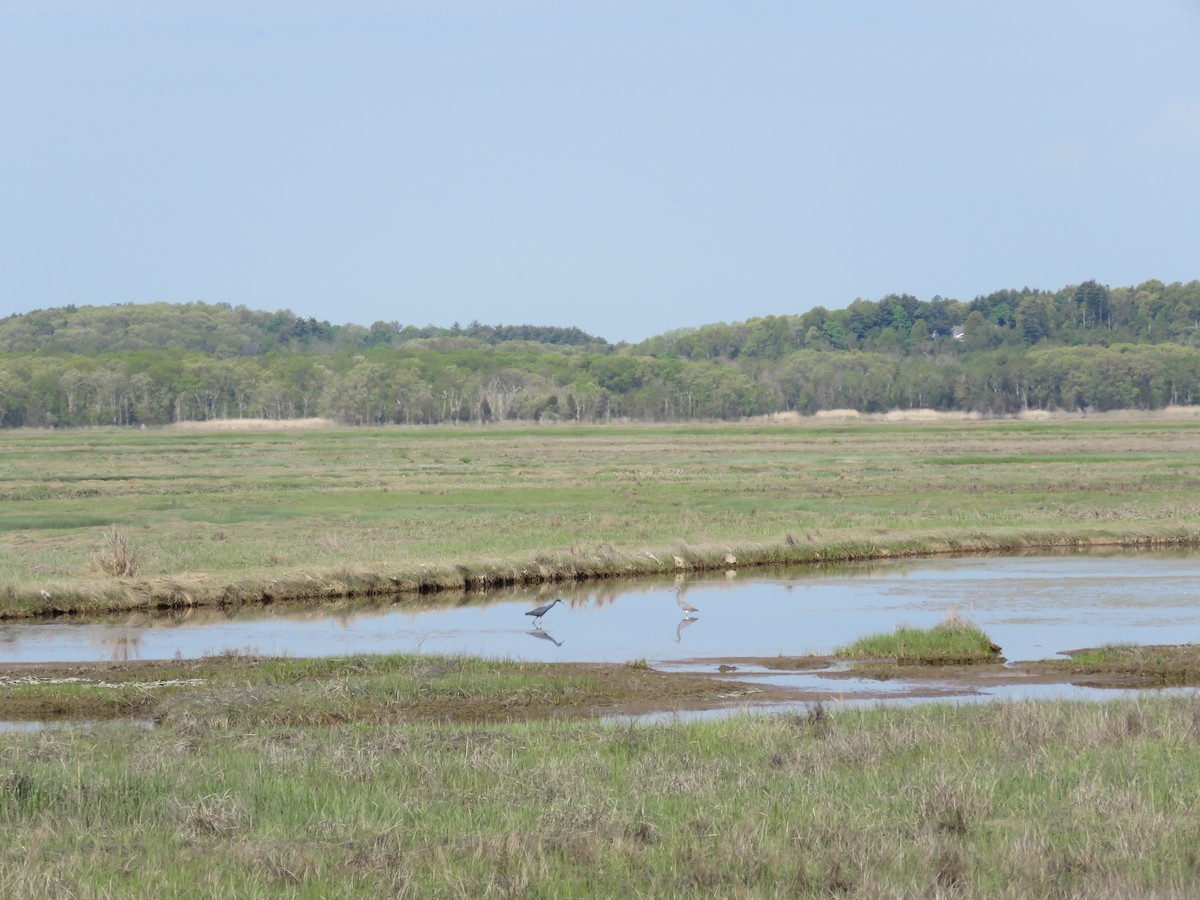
column 1035, row 607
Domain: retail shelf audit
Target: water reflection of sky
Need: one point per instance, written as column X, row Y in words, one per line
column 1033, row 607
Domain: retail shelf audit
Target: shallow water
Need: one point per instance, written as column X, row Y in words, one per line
column 849, row 700
column 1034, row 607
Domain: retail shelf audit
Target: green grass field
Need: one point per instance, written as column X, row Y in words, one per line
column 228, row 516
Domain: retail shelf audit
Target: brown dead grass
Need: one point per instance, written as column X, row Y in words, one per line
column 119, row 557
column 254, row 425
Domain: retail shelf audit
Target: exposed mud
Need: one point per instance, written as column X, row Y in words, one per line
column 49, row 692
column 1157, row 665
column 148, row 690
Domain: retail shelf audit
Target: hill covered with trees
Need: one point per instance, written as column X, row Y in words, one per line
column 221, row 330
column 1084, row 346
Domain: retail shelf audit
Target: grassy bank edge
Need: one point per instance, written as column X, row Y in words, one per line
column 100, row 594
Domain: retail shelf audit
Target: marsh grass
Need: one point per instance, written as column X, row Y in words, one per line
column 1133, row 664
column 403, row 776
column 398, row 509
column 1109, row 653
column 119, row 555
column 1003, row 800
column 246, row 691
column 953, row 641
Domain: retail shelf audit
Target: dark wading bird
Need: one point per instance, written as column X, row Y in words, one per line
column 687, row 608
column 541, row 611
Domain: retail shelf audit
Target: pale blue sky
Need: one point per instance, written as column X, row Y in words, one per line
column 625, row 167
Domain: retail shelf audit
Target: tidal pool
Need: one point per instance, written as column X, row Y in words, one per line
column 1034, row 607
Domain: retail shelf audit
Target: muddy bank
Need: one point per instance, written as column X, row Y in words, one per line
column 159, row 691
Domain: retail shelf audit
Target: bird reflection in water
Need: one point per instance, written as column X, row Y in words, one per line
column 544, row 635
column 122, row 647
column 685, row 622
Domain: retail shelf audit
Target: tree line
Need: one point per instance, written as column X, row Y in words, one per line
column 1084, row 347
column 901, row 325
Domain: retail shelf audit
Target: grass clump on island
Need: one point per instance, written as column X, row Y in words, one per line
column 954, row 641
column 122, row 519
column 996, row 800
column 1136, row 665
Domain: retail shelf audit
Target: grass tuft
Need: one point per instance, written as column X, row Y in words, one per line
column 119, row 556
column 218, row 815
column 818, row 719
column 952, row 642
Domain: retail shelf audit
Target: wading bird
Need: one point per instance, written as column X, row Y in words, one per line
column 687, row 608
column 541, row 611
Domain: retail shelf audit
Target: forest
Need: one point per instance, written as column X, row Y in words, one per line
column 1084, row 347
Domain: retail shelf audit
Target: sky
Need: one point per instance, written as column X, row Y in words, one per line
column 628, row 168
